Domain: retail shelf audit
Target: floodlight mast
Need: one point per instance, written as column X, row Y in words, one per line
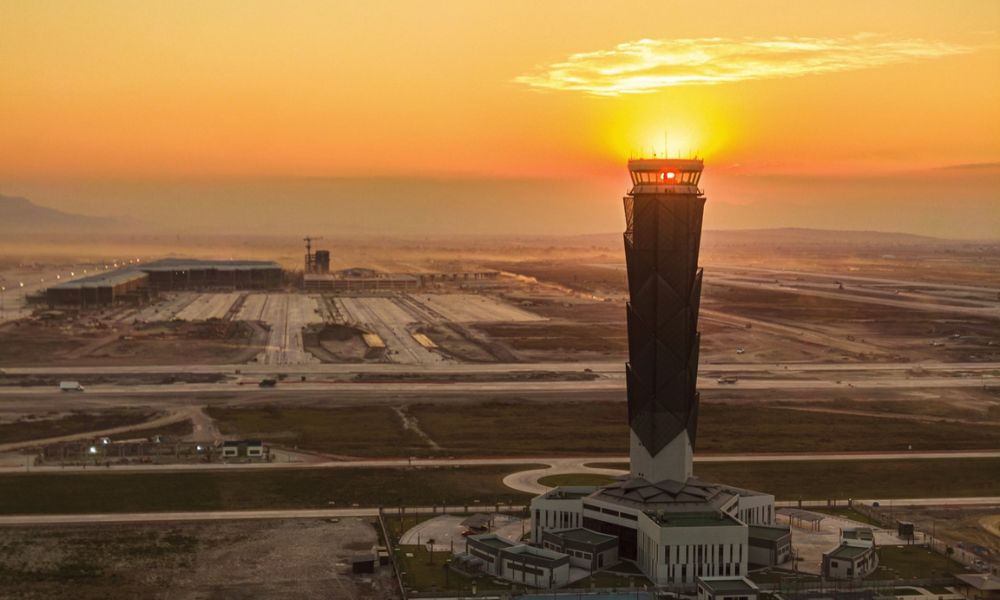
column 663, row 214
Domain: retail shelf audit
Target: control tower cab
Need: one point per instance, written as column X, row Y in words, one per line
column 665, row 175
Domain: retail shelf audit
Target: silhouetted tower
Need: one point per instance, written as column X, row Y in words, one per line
column 663, row 214
column 310, row 262
column 321, row 261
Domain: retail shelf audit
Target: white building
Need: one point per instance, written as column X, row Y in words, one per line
column 520, row 563
column 854, row 558
column 726, row 588
column 674, row 532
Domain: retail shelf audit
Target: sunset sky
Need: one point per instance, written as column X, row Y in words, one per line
column 136, row 108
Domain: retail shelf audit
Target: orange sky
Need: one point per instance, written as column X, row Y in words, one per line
column 181, row 89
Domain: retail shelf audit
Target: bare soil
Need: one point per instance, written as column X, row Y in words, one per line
column 300, row 558
column 81, row 342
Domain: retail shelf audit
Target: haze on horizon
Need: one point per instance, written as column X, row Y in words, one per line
column 456, row 117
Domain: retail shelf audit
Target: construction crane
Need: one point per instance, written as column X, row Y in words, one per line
column 310, row 259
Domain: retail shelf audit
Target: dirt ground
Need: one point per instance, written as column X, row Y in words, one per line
column 79, row 342
column 971, row 527
column 295, row 558
column 336, row 343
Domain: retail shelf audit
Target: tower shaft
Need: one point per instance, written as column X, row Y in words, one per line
column 664, row 214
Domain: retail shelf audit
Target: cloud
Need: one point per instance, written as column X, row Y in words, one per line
column 646, row 65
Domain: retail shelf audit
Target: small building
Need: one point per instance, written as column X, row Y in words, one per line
column 978, row 586
column 850, row 560
column 250, row 449
column 769, row 545
column 905, row 529
column 363, row 563
column 586, row 549
column 726, row 588
column 358, row 279
column 485, row 550
column 478, row 523
column 536, row 567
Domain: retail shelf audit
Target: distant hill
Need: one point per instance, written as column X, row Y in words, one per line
column 788, row 236
column 22, row 216
column 807, row 236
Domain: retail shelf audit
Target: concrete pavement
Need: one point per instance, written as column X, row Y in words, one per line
column 553, row 465
column 28, row 520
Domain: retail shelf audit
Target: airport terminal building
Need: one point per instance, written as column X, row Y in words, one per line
column 137, row 284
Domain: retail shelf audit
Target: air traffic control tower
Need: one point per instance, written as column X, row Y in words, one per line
column 673, row 526
column 663, row 215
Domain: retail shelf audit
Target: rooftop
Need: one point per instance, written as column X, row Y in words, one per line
column 102, row 279
column 980, row 581
column 543, row 553
column 768, row 532
column 804, row 515
column 187, row 264
column 492, row 540
column 848, row 552
column 658, row 164
column 570, row 492
column 693, row 519
column 728, row 585
column 692, row 494
column 583, row 535
column 477, row 521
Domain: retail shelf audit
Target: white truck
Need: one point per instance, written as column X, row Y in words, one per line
column 70, row 386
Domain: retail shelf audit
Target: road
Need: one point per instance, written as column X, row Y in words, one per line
column 554, row 465
column 601, row 384
column 614, row 367
column 327, row 513
column 527, row 481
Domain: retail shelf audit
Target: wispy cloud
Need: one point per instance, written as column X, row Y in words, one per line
column 646, row 65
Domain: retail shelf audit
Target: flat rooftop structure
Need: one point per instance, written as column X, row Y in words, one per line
column 107, row 279
column 768, row 532
column 540, row 554
column 570, row 492
column 694, row 519
column 580, row 534
column 353, row 280
column 728, row 585
column 492, row 540
column 802, row 518
column 848, row 552
column 195, row 264
column 638, row 493
column 980, row 581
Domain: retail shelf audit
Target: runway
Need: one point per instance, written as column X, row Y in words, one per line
column 555, row 466
column 166, row 517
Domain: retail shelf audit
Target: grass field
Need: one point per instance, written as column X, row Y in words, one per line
column 847, row 513
column 912, row 562
column 69, row 424
column 575, row 479
column 521, row 429
column 253, row 489
column 34, row 493
column 355, row 431
column 178, row 429
column 793, row 480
